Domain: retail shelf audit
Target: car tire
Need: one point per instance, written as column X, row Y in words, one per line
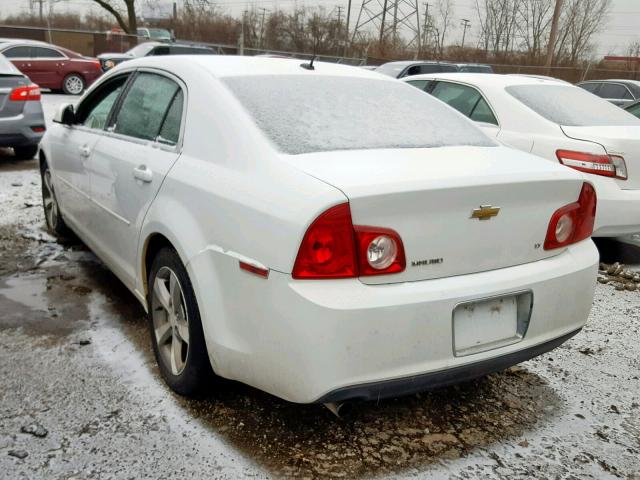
column 173, row 315
column 25, row 153
column 52, row 214
column 73, row 84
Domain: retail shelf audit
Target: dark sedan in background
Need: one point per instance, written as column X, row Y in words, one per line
column 147, row 49
column 618, row 92
column 52, row 67
column 21, row 118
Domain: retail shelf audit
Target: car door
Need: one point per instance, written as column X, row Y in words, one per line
column 72, row 146
column 47, row 64
column 129, row 164
column 20, row 56
column 468, row 101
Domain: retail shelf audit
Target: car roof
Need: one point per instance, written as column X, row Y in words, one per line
column 486, row 79
column 232, row 66
column 416, row 62
column 617, row 80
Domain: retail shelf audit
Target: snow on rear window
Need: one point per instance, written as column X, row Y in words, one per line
column 570, row 106
column 304, row 114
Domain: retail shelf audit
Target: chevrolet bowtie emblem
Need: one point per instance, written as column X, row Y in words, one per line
column 485, row 212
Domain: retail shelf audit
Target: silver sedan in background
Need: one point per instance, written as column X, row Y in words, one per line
column 21, row 119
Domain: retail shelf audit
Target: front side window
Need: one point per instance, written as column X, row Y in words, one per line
column 304, row 114
column 145, row 105
column 570, row 106
column 40, row 52
column 17, row 52
column 94, row 111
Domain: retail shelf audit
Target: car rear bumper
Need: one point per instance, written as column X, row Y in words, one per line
column 318, row 341
column 618, row 211
column 433, row 380
column 18, row 131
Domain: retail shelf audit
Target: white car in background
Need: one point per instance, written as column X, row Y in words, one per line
column 319, row 232
column 559, row 122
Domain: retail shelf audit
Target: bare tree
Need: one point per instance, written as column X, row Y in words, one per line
column 534, row 23
column 127, row 19
column 580, row 21
column 498, row 25
column 442, row 24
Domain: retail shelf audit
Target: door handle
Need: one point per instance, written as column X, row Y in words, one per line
column 85, row 151
column 143, row 173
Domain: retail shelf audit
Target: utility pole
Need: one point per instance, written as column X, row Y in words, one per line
column 553, row 35
column 339, row 8
column 264, row 11
column 241, row 42
column 346, row 30
column 384, row 14
column 465, row 24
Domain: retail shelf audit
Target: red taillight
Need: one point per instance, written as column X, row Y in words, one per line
column 333, row 248
column 24, row 94
column 605, row 165
column 97, row 64
column 574, row 222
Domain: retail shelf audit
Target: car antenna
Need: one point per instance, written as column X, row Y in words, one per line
column 309, row 66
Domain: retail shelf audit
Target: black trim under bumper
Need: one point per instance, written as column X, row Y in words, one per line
column 442, row 378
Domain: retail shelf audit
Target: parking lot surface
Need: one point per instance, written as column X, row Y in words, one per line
column 81, row 397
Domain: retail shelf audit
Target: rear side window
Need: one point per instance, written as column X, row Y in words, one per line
column 160, row 51
column 18, row 52
column 145, row 106
column 40, row 52
column 615, row 91
column 304, row 114
column 590, row 87
column 467, row 100
column 570, row 106
column 635, row 110
column 170, row 130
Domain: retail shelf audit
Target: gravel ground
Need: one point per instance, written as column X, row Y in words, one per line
column 80, row 395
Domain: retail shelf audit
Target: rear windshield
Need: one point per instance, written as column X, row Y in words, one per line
column 570, row 106
column 304, row 114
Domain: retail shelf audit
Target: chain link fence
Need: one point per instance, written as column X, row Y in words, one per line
column 94, row 43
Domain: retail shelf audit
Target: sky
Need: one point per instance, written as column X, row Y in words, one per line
column 622, row 23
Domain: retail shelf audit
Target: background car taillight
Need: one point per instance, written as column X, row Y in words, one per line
column 24, row 94
column 333, row 248
column 606, row 165
column 574, row 222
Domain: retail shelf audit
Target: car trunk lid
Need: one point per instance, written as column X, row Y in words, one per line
column 623, row 141
column 7, row 83
column 429, row 197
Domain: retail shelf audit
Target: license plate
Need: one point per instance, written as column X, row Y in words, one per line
column 486, row 324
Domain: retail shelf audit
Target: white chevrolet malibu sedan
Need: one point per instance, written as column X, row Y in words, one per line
column 319, row 232
column 562, row 123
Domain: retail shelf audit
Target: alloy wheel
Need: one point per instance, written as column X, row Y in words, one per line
column 74, row 85
column 170, row 320
column 49, row 201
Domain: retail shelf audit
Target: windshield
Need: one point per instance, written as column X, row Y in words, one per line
column 141, row 50
column 304, row 114
column 159, row 33
column 570, row 106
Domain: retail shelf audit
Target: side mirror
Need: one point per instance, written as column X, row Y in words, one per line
column 65, row 115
